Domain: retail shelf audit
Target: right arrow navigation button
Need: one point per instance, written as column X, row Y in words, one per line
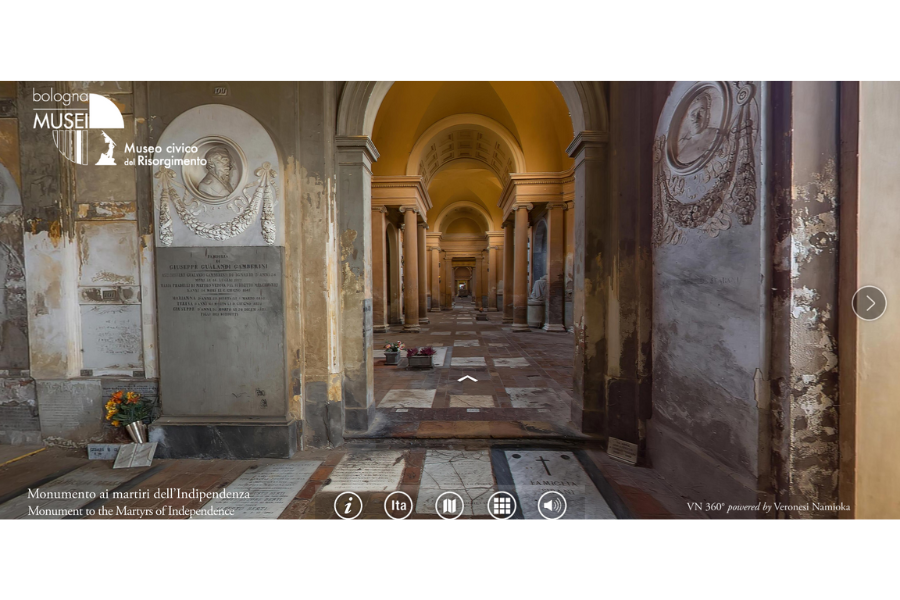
column 869, row 303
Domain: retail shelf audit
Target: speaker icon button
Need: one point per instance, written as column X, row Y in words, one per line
column 552, row 505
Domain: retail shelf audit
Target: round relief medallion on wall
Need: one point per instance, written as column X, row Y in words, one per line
column 705, row 160
column 698, row 126
column 224, row 174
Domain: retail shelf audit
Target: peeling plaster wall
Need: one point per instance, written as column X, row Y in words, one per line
column 82, row 241
column 19, row 422
column 804, row 350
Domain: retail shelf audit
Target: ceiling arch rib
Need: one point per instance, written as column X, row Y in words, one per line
column 463, row 209
column 466, row 136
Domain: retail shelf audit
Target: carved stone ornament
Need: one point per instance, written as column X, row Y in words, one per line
column 705, row 161
column 244, row 204
column 216, row 181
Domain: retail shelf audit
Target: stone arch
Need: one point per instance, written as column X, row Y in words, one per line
column 360, row 101
column 440, row 225
column 355, row 152
column 507, row 156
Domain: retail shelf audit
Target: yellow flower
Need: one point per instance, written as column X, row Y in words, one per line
column 115, row 423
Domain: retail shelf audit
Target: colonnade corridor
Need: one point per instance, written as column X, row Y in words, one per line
column 520, row 386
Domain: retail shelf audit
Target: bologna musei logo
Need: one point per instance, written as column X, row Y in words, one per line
column 75, row 120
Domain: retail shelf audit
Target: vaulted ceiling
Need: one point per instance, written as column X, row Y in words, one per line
column 465, row 138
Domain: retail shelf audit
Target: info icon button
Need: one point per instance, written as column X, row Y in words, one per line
column 869, row 303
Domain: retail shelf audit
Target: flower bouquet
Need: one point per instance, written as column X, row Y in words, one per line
column 129, row 409
column 392, row 352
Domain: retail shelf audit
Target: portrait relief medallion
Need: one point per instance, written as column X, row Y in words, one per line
column 705, row 160
column 698, row 127
column 223, row 175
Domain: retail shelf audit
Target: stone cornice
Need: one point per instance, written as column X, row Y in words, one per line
column 396, row 191
column 586, row 139
column 534, row 188
column 361, row 142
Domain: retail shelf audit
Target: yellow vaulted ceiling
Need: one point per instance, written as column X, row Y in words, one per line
column 533, row 112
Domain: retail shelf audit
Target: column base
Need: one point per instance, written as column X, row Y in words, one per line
column 507, row 320
column 411, row 328
column 446, row 308
column 491, row 309
column 381, row 329
column 554, row 328
column 423, row 321
column 520, row 327
column 434, row 310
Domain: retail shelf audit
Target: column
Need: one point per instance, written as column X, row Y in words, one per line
column 396, row 306
column 477, row 288
column 492, row 279
column 483, row 273
column 410, row 270
column 423, row 277
column 592, row 214
column 556, row 262
column 520, row 268
column 435, row 280
column 451, row 283
column 379, row 270
column 446, row 300
column 354, row 158
column 508, row 262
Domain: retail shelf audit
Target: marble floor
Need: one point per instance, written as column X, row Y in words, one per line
column 523, row 384
column 314, row 483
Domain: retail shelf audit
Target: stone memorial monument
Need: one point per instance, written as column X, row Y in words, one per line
column 537, row 303
column 220, row 292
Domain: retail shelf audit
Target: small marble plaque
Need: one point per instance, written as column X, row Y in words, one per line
column 135, row 455
column 111, row 337
column 622, row 450
column 268, row 490
column 439, row 356
column 538, row 471
column 103, row 451
column 511, row 363
column 534, row 398
column 367, row 471
column 408, row 399
column 468, row 361
column 466, row 343
column 466, row 472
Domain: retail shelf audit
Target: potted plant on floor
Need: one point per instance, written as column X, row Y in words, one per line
column 392, row 352
column 420, row 358
column 129, row 410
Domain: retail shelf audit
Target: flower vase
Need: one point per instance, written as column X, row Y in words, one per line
column 137, row 431
column 391, row 358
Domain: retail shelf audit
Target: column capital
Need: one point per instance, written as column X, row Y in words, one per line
column 562, row 205
column 412, row 208
column 358, row 142
column 381, row 209
column 587, row 140
column 423, row 225
column 525, row 205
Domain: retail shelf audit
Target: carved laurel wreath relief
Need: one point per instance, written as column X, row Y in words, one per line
column 215, row 188
column 704, row 165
